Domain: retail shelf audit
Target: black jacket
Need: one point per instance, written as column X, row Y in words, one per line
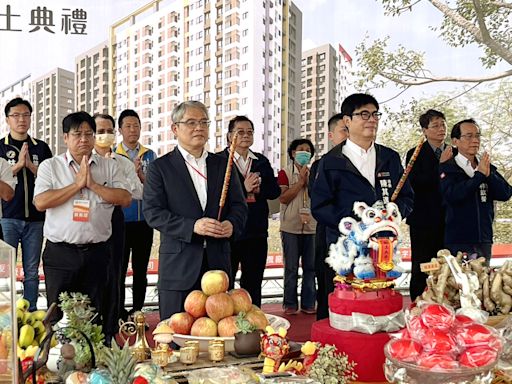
column 428, row 211
column 257, row 220
column 469, row 203
column 171, row 206
column 21, row 206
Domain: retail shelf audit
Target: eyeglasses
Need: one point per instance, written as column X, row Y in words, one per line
column 244, row 133
column 365, row 115
column 17, row 116
column 437, row 126
column 195, row 123
column 470, row 136
column 86, row 135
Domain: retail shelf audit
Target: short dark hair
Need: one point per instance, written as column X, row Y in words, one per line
column 15, row 102
column 75, row 119
column 127, row 113
column 455, row 134
column 333, row 121
column 295, row 143
column 105, row 116
column 357, row 100
column 427, row 117
column 237, row 119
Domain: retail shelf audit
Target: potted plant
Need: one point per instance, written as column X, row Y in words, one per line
column 248, row 337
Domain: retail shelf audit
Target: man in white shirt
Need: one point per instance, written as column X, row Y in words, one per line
column 469, row 187
column 181, row 199
column 105, row 139
column 78, row 190
column 357, row 169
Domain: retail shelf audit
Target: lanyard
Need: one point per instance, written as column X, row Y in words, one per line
column 244, row 172
column 196, row 170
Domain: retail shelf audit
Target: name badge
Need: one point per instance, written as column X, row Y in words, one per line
column 81, row 209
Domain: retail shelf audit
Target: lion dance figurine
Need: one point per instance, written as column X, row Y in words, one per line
column 273, row 347
column 368, row 248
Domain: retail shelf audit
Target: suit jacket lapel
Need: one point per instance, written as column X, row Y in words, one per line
column 178, row 162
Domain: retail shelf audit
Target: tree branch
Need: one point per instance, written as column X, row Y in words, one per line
column 438, row 79
column 478, row 35
column 501, row 4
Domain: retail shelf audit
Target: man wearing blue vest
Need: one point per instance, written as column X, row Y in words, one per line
column 138, row 234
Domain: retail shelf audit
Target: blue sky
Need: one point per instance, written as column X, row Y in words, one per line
column 324, row 21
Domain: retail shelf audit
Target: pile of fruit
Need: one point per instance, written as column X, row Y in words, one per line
column 438, row 340
column 31, row 331
column 212, row 310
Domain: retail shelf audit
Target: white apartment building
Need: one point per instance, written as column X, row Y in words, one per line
column 20, row 88
column 53, row 98
column 239, row 57
column 91, row 80
column 325, row 73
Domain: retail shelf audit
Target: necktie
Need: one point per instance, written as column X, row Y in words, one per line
column 438, row 153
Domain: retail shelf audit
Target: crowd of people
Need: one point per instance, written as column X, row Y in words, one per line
column 97, row 204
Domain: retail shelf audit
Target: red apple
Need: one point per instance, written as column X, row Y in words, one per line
column 438, row 316
column 405, row 350
column 204, row 327
column 437, row 362
column 227, row 327
column 477, row 357
column 195, row 303
column 258, row 319
column 241, row 299
column 219, row 306
column 181, row 323
column 438, row 341
column 215, row 281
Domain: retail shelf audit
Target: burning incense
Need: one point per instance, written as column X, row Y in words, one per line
column 408, row 169
column 227, row 176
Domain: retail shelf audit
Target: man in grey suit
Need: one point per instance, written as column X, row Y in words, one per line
column 181, row 199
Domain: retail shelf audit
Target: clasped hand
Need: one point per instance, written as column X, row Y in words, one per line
column 210, row 227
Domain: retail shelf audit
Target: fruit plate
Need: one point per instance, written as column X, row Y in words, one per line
column 275, row 321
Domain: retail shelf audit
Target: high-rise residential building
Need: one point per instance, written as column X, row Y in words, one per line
column 91, row 81
column 325, row 73
column 53, row 97
column 239, row 57
column 20, row 88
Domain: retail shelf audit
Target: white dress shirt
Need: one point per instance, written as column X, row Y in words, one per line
column 364, row 160
column 463, row 162
column 197, row 170
column 59, row 172
column 244, row 166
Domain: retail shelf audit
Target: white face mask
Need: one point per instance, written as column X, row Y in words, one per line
column 105, row 140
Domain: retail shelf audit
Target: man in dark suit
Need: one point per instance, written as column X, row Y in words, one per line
column 426, row 221
column 181, row 199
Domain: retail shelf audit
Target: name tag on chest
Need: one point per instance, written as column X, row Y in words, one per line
column 81, row 209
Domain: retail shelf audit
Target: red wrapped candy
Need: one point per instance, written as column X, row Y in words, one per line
column 438, row 316
column 416, row 328
column 437, row 361
column 477, row 357
column 405, row 350
column 473, row 335
column 462, row 320
column 439, row 342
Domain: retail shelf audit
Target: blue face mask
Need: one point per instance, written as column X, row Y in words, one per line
column 302, row 157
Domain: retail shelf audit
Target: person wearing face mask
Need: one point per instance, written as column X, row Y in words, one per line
column 104, row 140
column 297, row 229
